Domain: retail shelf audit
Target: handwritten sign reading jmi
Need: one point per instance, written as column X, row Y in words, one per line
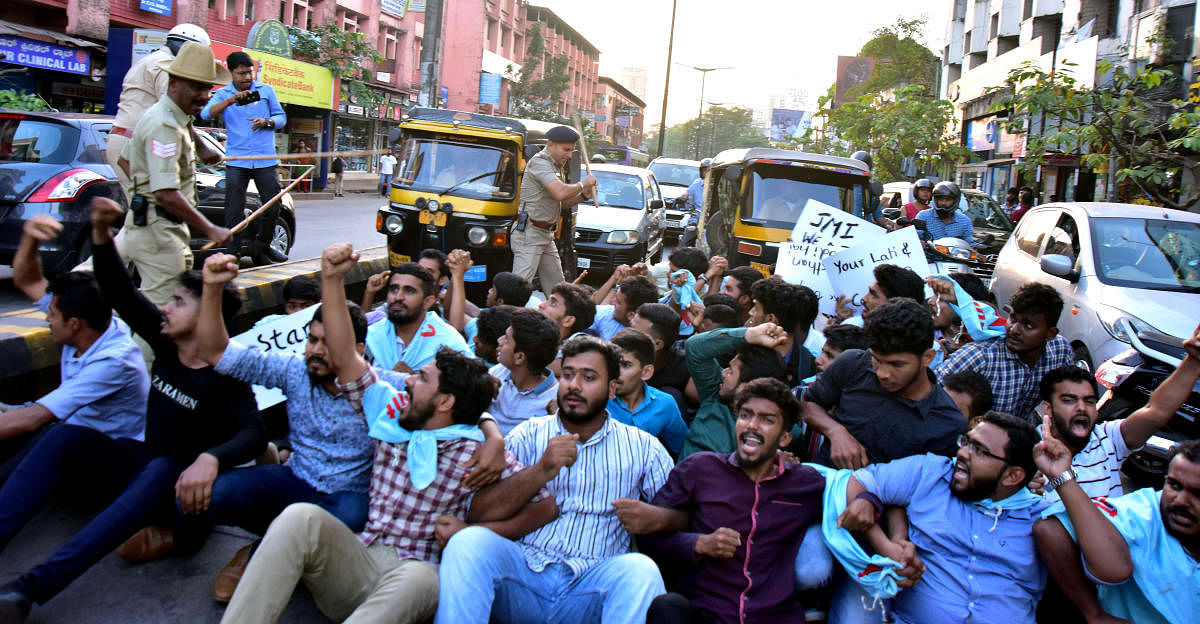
column 820, row 232
column 851, row 272
column 282, row 334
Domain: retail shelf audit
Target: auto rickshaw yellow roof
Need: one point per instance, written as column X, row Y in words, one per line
column 782, row 156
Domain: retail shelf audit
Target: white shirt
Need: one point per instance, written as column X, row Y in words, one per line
column 1098, row 466
column 386, row 163
column 618, row 461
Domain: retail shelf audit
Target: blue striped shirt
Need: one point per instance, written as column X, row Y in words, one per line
column 618, row 461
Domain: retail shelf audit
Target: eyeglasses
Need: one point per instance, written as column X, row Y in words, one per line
column 975, row 448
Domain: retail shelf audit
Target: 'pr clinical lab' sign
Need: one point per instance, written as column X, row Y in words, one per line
column 42, row 55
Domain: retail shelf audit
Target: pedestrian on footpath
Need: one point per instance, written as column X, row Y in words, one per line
column 161, row 158
column 544, row 195
column 338, row 168
column 252, row 113
column 387, row 164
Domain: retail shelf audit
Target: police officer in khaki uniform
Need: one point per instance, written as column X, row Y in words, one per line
column 161, row 160
column 544, row 195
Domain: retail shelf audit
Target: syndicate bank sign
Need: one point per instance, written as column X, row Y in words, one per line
column 295, row 82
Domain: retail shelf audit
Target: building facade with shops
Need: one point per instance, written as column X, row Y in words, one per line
column 619, row 114
column 986, row 39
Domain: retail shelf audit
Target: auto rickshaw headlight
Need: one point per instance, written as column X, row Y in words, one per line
column 393, row 224
column 433, row 205
column 476, row 235
column 623, row 237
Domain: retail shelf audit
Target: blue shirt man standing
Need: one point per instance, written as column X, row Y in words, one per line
column 252, row 113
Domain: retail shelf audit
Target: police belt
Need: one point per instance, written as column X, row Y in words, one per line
column 163, row 212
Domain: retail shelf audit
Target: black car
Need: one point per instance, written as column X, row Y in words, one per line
column 54, row 163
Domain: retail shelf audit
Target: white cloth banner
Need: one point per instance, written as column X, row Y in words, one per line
column 280, row 334
column 821, row 231
column 851, row 272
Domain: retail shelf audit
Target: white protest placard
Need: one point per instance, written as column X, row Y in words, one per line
column 282, row 334
column 821, row 231
column 851, row 272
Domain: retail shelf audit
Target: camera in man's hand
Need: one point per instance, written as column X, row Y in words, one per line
column 252, row 97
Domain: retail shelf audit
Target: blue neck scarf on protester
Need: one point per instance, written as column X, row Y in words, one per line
column 979, row 319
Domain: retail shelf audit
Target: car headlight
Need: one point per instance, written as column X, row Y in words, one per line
column 393, row 224
column 623, row 237
column 476, row 235
column 433, row 205
column 1110, row 318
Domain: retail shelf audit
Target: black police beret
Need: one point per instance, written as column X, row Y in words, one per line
column 562, row 134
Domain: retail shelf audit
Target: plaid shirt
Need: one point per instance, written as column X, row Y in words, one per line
column 404, row 517
column 1014, row 383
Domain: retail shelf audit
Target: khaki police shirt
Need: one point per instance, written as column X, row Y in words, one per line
column 143, row 85
column 540, row 171
column 161, row 153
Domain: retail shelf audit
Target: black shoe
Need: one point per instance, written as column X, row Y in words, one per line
column 14, row 605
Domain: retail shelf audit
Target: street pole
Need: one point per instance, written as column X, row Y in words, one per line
column 430, row 44
column 662, row 122
column 700, row 115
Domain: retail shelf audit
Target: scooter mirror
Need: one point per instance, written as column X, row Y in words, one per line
column 919, row 224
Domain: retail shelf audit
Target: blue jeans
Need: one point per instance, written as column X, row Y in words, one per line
column 251, row 498
column 144, row 489
column 385, row 183
column 484, row 577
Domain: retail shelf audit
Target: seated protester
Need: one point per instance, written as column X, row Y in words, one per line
column 300, row 292
column 412, row 333
column 883, row 403
column 419, row 492
column 103, row 380
column 755, row 356
column 579, row 565
column 1030, row 348
column 974, row 287
column 571, row 309
column 794, row 308
column 839, row 339
column 750, row 496
column 737, row 284
column 970, row 518
column 632, row 292
column 1099, row 449
column 723, row 299
column 695, row 262
column 661, row 323
column 198, row 423
column 971, row 392
column 506, row 289
column 330, row 471
column 490, row 327
column 526, row 387
column 638, row 403
column 1140, row 548
column 891, row 281
column 434, row 261
column 718, row 316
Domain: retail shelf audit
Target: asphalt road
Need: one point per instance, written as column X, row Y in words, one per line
column 318, row 223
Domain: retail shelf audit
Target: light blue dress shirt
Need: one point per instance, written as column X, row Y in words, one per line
column 103, row 388
column 604, row 323
column 695, row 195
column 657, row 414
column 513, row 406
column 980, row 566
column 242, row 140
column 935, row 228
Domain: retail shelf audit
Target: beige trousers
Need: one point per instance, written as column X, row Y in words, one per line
column 112, row 152
column 534, row 253
column 348, row 581
column 159, row 251
column 338, row 182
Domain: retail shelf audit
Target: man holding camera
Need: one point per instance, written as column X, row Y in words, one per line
column 252, row 113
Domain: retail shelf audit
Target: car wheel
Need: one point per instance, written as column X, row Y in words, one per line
column 281, row 238
column 1082, row 357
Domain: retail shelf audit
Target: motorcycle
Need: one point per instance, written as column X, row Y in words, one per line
column 1128, row 379
column 948, row 255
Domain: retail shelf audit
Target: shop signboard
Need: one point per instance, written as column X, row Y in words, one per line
column 42, row 55
column 270, row 36
column 355, row 110
column 981, row 134
column 622, row 121
column 416, row 6
column 295, row 82
column 628, row 110
column 76, row 90
column 395, row 7
column 146, row 41
column 489, row 88
column 158, row 7
column 1018, row 150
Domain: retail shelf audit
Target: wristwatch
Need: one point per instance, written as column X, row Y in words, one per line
column 1054, row 483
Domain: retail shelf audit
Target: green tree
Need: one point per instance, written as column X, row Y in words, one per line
column 22, row 100
column 1132, row 118
column 903, row 59
column 720, row 128
column 538, row 98
column 342, row 53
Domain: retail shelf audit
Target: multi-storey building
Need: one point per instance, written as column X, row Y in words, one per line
column 583, row 58
column 620, row 114
column 986, row 39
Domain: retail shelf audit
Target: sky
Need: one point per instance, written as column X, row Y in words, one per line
column 772, row 45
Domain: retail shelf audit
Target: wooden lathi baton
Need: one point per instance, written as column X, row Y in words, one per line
column 254, row 215
column 299, row 155
column 587, row 163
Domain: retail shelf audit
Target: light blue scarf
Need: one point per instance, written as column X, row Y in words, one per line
column 979, row 319
column 876, row 573
column 382, row 405
column 1022, row 499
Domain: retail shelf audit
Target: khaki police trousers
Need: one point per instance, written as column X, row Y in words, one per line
column 534, row 253
column 159, row 251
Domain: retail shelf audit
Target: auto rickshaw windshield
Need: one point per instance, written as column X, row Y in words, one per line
column 779, row 193
column 471, row 169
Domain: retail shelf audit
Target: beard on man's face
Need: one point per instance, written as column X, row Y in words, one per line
column 576, row 408
column 317, row 378
column 403, row 316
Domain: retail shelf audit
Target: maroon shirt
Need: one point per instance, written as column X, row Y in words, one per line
column 757, row 583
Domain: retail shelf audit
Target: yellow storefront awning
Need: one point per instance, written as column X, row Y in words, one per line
column 295, row 82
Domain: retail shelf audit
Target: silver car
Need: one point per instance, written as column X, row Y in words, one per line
column 1109, row 262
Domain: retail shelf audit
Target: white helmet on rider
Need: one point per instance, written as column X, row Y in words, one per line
column 182, row 33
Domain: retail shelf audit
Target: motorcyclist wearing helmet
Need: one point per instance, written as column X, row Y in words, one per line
column 874, row 210
column 922, row 195
column 144, row 84
column 944, row 219
column 598, row 159
column 693, row 204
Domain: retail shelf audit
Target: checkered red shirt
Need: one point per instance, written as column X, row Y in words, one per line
column 402, row 516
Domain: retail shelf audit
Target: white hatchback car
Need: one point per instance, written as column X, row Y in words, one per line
column 1109, row 262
